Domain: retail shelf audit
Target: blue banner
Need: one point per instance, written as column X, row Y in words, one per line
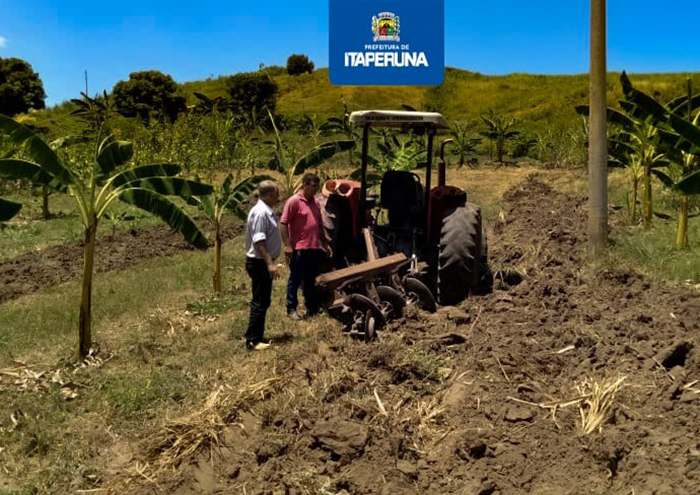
column 387, row 42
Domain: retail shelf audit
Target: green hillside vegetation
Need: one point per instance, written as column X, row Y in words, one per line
column 539, row 102
column 536, row 100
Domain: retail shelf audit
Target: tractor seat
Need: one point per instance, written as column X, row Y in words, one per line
column 402, row 195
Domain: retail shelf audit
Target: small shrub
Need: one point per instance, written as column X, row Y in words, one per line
column 299, row 64
column 252, row 93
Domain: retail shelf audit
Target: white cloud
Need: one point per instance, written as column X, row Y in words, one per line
column 3, row 42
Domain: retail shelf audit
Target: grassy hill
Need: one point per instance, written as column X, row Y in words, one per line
column 538, row 101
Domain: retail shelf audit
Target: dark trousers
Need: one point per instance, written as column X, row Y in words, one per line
column 304, row 267
column 262, row 293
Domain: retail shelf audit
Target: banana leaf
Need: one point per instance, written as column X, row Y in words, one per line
column 613, row 116
column 689, row 185
column 14, row 169
column 8, row 209
column 113, row 154
column 687, row 131
column 160, row 206
column 144, row 171
column 36, row 149
column 241, row 192
column 643, row 106
column 665, row 179
column 679, row 105
column 172, row 186
column 321, row 153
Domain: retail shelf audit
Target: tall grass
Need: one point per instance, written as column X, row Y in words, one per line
column 654, row 251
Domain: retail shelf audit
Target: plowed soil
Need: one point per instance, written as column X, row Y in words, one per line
column 61, row 263
column 462, row 401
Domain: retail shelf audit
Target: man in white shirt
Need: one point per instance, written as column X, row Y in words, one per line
column 263, row 246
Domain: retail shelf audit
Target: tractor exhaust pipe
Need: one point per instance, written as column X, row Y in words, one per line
column 363, row 194
column 441, row 165
column 428, row 172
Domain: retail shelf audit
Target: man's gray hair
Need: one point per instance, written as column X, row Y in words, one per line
column 267, row 187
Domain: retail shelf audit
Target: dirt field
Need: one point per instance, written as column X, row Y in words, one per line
column 482, row 399
column 60, row 263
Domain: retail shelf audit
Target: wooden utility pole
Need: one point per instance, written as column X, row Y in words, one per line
column 598, row 136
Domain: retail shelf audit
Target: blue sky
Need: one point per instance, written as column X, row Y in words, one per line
column 195, row 40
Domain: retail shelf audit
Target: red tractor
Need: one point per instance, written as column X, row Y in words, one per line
column 411, row 244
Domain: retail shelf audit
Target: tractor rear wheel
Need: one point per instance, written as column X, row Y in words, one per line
column 460, row 255
column 337, row 224
column 485, row 285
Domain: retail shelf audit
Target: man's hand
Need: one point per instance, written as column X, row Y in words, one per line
column 288, row 252
column 272, row 270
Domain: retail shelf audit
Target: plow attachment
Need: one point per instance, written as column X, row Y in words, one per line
column 365, row 296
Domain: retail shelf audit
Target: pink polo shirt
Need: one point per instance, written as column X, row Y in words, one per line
column 303, row 217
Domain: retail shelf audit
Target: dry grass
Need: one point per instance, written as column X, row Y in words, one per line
column 200, row 431
column 597, row 399
column 595, row 402
column 181, row 439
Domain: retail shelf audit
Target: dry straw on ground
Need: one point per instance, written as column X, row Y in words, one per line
column 202, row 431
column 595, row 403
column 597, row 399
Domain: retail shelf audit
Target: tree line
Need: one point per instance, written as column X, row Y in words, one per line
column 146, row 94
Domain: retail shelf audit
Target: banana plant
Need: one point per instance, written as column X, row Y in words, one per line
column 118, row 220
column 225, row 198
column 96, row 188
column 499, row 131
column 684, row 178
column 679, row 139
column 397, row 154
column 644, row 157
column 635, row 146
column 463, row 143
column 8, row 209
column 208, row 106
column 635, row 171
column 280, row 162
column 310, row 126
column 341, row 125
column 61, row 143
column 637, row 153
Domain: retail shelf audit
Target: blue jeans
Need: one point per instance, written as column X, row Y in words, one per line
column 304, row 267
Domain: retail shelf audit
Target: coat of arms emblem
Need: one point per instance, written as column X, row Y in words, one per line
column 385, row 27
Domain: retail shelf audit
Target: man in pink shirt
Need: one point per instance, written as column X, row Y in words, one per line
column 305, row 244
